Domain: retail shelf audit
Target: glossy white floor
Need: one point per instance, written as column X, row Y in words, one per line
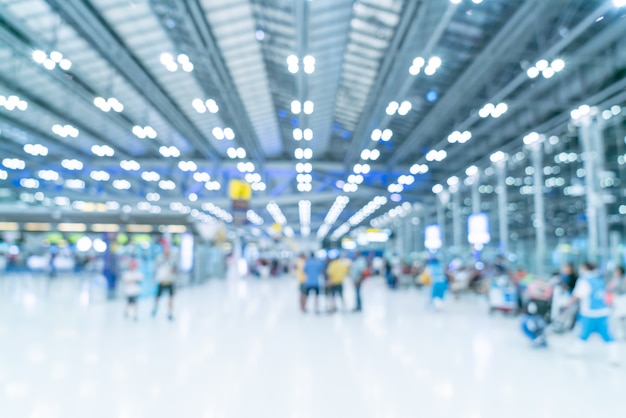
column 242, row 349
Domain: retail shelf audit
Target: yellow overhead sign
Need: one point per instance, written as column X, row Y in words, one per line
column 239, row 190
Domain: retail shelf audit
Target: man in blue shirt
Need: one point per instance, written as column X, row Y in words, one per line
column 313, row 270
column 590, row 291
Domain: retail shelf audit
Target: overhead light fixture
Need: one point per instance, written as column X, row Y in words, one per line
column 102, row 150
column 48, row 175
column 545, row 68
column 169, row 152
column 108, row 104
column 36, row 150
column 296, row 107
column 65, row 130
column 50, row 61
column 142, row 132
column 100, row 175
column 308, row 107
column 495, row 111
column 130, row 165
column 121, row 184
column 434, row 155
column 182, row 61
column 13, row 102
column 14, row 164
column 459, row 137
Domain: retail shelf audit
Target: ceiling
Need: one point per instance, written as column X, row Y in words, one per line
column 216, row 83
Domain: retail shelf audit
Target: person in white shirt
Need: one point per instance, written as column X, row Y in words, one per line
column 590, row 292
column 131, row 280
column 165, row 277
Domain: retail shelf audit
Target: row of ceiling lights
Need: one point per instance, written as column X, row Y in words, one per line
column 400, row 210
column 254, row 218
column 359, row 217
column 274, row 210
column 304, row 210
column 217, row 212
column 335, row 210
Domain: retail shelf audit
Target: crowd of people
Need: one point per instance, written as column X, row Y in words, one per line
column 586, row 297
column 316, row 276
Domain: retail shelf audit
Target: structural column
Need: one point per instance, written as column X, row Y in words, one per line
column 457, row 225
column 592, row 141
column 443, row 199
column 534, row 141
column 503, row 213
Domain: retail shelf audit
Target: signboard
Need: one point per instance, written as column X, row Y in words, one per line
column 239, row 190
column 432, row 237
column 478, row 229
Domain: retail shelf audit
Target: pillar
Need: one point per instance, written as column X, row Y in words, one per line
column 457, row 225
column 592, row 141
column 503, row 213
column 536, row 149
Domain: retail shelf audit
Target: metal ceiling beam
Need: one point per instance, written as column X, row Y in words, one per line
column 555, row 94
column 211, row 69
column 512, row 36
column 411, row 20
column 88, row 23
column 80, row 125
column 10, row 36
column 56, row 146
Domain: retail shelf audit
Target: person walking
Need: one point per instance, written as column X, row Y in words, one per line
column 336, row 272
column 301, row 277
column 131, row 280
column 165, row 277
column 590, row 292
column 313, row 270
column 358, row 272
